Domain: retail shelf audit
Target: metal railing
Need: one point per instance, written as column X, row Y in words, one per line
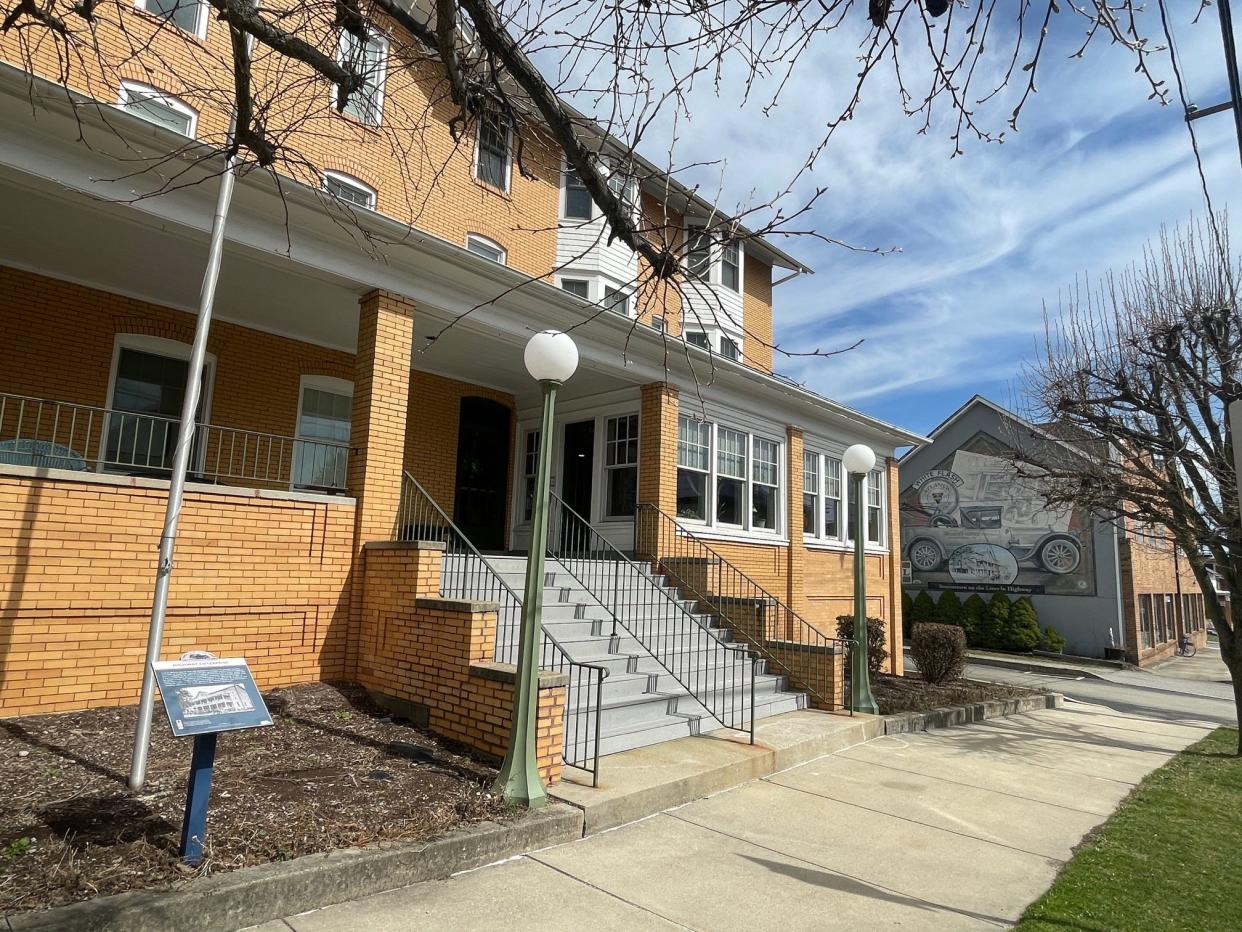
column 467, row 574
column 719, row 675
column 59, row 435
column 814, row 662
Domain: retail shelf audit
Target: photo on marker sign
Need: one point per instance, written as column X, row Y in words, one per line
column 197, row 701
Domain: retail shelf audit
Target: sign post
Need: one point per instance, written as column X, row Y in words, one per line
column 203, row 697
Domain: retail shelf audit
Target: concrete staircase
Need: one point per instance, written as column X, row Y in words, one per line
column 642, row 702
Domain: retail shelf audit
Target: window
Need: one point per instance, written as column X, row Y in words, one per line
column 1145, row 620
column 694, row 448
column 699, row 252
column 530, row 462
column 577, row 286
column 623, row 187
column 810, row 493
column 698, row 338
column 731, row 266
column 189, row 15
column 730, row 476
column 159, row 108
column 578, row 205
column 621, row 466
column 616, row 300
column 832, row 498
column 729, row 348
column 763, row 504
column 148, row 389
column 369, row 59
column 350, row 190
column 488, row 249
column 324, row 414
column 491, row 164
column 658, row 323
column 875, row 507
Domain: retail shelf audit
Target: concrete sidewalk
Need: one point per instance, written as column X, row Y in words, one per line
column 952, row 829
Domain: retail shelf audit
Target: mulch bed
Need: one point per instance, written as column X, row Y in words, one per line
column 333, row 772
column 911, row 694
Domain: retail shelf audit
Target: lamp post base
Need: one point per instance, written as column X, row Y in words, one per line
column 519, row 785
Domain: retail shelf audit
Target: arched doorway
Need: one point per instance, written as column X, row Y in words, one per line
column 482, row 471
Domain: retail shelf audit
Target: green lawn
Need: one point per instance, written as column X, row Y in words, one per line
column 1169, row 858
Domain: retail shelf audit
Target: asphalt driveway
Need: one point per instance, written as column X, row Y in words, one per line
column 953, row 829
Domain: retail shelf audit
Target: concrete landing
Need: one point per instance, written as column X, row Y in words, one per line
column 641, row 782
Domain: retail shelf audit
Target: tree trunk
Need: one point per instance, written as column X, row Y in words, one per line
column 1230, row 653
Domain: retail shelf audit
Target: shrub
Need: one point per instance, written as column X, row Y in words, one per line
column 973, row 610
column 907, row 610
column 991, row 629
column 1053, row 640
column 949, row 609
column 939, row 651
column 877, row 652
column 1021, row 632
column 923, row 610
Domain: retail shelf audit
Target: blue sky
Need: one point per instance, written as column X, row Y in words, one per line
column 985, row 239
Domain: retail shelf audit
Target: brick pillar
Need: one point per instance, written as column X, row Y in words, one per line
column 657, row 452
column 377, row 433
column 795, row 595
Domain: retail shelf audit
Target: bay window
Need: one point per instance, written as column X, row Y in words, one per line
column 694, row 447
column 730, row 476
column 823, row 501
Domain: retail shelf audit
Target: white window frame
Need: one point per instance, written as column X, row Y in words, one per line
column 563, row 214
column 746, row 529
column 527, row 479
column 173, row 349
column 707, row 337
column 605, row 468
column 325, row 383
column 815, row 463
column 622, row 297
column 723, row 248
column 478, row 148
column 200, row 25
column 818, row 536
column 659, row 323
column 381, row 78
column 163, row 98
column 489, row 244
column 737, row 348
column 710, row 276
column 585, row 280
column 349, row 181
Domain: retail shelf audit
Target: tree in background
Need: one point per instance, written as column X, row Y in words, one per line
column 1021, row 632
column 973, row 610
column 907, row 609
column 991, row 629
column 949, row 609
column 1140, row 373
column 923, row 611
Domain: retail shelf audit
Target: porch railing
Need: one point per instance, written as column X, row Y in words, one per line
column 720, row 675
column 814, row 662
column 59, row 435
column 467, row 574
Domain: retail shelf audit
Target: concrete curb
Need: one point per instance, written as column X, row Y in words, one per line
column 907, row 722
column 1030, row 666
column 248, row 897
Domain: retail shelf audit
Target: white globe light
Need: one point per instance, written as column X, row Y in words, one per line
column 859, row 458
column 551, row 356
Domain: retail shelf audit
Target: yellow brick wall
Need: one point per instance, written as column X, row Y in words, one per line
column 254, row 577
column 757, row 313
column 1149, row 566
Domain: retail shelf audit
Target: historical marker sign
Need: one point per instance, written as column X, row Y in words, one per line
column 202, row 696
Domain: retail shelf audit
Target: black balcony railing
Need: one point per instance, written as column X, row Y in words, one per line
column 467, row 574
column 59, row 435
column 791, row 646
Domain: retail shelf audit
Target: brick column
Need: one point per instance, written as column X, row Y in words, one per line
column 795, row 595
column 377, row 432
column 657, row 451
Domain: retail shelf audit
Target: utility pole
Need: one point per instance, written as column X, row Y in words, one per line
column 1234, row 102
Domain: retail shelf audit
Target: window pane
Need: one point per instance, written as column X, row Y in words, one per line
column 729, row 348
column 152, row 109
column 731, row 455
column 730, row 266
column 622, row 492
column 699, row 252
column 578, row 203
column 808, row 514
column 851, row 518
column 350, row 193
column 697, row 338
column 621, row 446
column 691, row 495
column 832, row 518
column 493, row 154
column 810, row 473
column 730, row 494
column 763, row 507
column 530, row 461
column 765, row 461
column 616, row 300
column 481, row 247
column 694, row 444
column 152, row 389
column 367, row 58
column 577, row 286
column 832, row 477
column 181, row 13
column 325, row 417
column 657, row 323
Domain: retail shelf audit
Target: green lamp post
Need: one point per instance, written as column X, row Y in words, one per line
column 859, row 460
column 551, row 358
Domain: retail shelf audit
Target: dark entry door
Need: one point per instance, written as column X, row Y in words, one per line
column 482, row 472
column 577, row 468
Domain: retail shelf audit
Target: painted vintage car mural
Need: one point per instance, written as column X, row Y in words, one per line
column 974, row 524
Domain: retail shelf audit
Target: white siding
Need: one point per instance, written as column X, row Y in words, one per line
column 584, row 246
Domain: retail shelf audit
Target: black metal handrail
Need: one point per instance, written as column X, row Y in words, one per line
column 789, row 643
column 718, row 674
column 467, row 574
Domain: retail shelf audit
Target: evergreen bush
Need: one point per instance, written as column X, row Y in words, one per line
column 949, row 609
column 923, row 611
column 877, row 649
column 1054, row 641
column 973, row 610
column 907, row 609
column 991, row 629
column 1022, row 630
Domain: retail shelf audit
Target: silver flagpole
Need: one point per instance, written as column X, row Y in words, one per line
column 176, row 488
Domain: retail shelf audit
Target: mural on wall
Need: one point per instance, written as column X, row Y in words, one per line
column 974, row 525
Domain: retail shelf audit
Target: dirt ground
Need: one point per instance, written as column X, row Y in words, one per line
column 332, row 772
column 911, row 694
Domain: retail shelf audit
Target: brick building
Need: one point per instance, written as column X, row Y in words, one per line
column 335, row 391
column 970, row 523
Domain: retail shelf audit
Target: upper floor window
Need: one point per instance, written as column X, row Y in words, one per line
column 370, row 59
column 488, row 249
column 731, row 266
column 658, row 323
column 729, row 348
column 577, row 286
column 190, row 15
column 699, row 252
column 157, row 107
column 578, row 205
column 348, row 189
column 616, row 300
column 491, row 160
column 698, row 338
column 873, row 503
